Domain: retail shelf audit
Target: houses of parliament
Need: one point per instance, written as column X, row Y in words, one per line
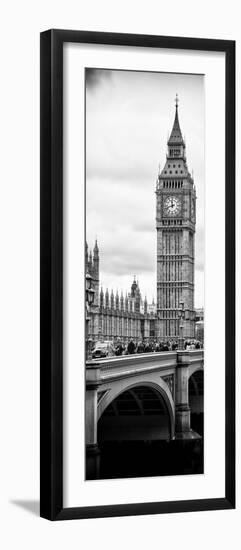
column 113, row 316
column 118, row 316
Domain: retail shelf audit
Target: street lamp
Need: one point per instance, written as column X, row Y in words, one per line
column 181, row 315
column 89, row 291
column 89, row 299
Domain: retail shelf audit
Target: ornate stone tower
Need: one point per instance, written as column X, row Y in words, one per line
column 95, row 273
column 175, row 223
column 136, row 295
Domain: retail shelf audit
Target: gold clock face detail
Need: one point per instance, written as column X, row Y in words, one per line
column 172, row 205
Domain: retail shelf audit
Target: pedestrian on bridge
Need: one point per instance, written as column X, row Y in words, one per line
column 119, row 348
column 131, row 347
column 148, row 348
column 140, row 347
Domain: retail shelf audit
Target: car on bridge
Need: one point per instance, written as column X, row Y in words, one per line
column 103, row 349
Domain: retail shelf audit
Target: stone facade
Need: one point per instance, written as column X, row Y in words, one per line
column 115, row 316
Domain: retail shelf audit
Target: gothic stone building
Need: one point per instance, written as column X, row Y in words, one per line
column 115, row 316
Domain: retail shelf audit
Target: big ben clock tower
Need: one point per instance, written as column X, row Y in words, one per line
column 175, row 223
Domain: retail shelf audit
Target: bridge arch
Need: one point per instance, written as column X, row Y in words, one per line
column 195, row 368
column 195, row 398
column 158, row 387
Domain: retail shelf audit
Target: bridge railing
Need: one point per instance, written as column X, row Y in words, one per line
column 142, row 362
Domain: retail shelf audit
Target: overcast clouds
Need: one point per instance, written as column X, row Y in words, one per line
column 128, row 118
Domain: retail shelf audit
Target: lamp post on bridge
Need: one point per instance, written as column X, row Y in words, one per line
column 181, row 314
column 89, row 299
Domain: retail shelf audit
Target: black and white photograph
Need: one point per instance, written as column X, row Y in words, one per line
column 120, row 309
column 144, row 273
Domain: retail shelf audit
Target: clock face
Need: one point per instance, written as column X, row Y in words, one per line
column 172, row 206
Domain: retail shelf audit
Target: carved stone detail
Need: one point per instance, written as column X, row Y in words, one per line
column 169, row 380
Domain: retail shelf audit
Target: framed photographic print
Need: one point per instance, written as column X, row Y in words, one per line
column 137, row 274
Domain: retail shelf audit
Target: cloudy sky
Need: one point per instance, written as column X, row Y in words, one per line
column 128, row 118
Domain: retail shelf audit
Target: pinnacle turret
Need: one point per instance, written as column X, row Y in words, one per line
column 117, row 300
column 122, row 301
column 176, row 134
column 101, row 297
column 175, row 169
column 96, row 250
column 134, row 287
column 107, row 298
column 90, row 258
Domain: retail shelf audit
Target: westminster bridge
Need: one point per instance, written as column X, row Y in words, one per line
column 152, row 397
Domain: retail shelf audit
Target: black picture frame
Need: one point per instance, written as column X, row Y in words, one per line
column 51, row 322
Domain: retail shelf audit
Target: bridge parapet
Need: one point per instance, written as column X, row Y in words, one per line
column 98, row 371
column 129, row 365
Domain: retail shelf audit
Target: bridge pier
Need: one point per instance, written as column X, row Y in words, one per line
column 183, row 429
column 92, row 450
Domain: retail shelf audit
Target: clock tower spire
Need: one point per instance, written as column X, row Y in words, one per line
column 176, row 144
column 175, row 224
